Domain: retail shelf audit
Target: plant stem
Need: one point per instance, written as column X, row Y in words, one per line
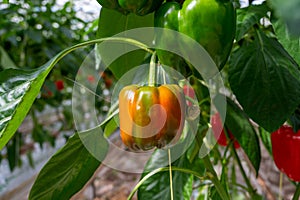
column 164, row 75
column 212, row 175
column 214, row 178
column 297, row 192
column 170, row 172
column 237, row 158
column 152, row 71
column 65, row 52
column 163, row 169
column 280, row 186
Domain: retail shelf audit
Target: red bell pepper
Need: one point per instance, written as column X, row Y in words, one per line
column 286, row 151
column 190, row 93
column 219, row 133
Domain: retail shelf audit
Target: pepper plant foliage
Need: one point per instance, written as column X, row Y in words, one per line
column 262, row 73
column 30, row 38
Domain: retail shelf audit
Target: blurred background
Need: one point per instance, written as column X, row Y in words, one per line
column 31, row 33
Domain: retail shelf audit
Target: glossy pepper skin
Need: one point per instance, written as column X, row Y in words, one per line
column 286, row 151
column 209, row 22
column 219, row 133
column 139, row 7
column 166, row 17
column 151, row 116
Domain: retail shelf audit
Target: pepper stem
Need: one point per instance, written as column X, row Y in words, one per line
column 152, row 70
column 297, row 192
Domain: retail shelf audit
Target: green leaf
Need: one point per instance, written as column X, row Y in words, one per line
column 265, row 80
column 42, row 135
column 248, row 16
column 213, row 193
column 290, row 43
column 239, row 125
column 13, row 151
column 266, row 139
column 295, row 119
column 110, row 127
column 18, row 90
column 5, row 60
column 257, row 197
column 30, row 159
column 70, row 168
column 112, row 22
column 288, row 11
column 158, row 185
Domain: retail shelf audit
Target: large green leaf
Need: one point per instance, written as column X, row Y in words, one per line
column 289, row 12
column 90, row 147
column 158, row 185
column 290, row 43
column 239, row 125
column 70, row 168
column 265, row 80
column 112, row 22
column 248, row 16
column 18, row 90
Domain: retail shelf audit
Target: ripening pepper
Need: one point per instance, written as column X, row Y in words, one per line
column 286, row 151
column 209, row 22
column 151, row 116
column 218, row 131
column 190, row 93
column 139, row 7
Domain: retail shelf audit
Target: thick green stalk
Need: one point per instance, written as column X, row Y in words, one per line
column 212, row 175
column 152, row 70
column 297, row 192
column 251, row 190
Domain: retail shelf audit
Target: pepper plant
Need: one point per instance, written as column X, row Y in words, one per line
column 29, row 38
column 255, row 49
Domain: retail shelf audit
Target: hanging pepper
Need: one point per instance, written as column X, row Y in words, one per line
column 286, row 151
column 139, row 7
column 218, row 131
column 190, row 93
column 210, row 22
column 151, row 116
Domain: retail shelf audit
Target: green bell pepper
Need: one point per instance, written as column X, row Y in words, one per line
column 139, row 7
column 210, row 22
column 167, row 17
